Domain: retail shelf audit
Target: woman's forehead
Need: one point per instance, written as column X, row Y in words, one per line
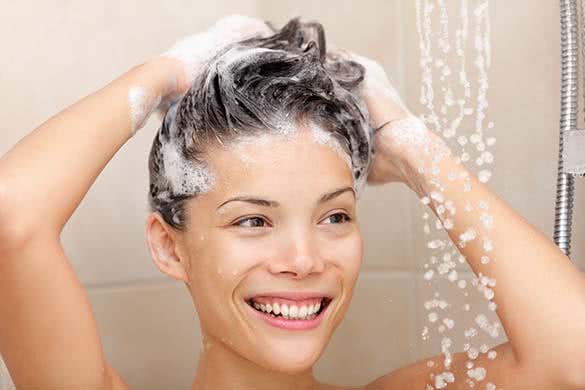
column 296, row 143
column 269, row 164
column 269, row 154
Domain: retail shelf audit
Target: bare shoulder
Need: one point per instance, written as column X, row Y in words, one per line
column 502, row 371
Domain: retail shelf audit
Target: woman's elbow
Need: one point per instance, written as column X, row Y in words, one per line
column 13, row 232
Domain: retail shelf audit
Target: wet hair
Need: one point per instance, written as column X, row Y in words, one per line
column 252, row 87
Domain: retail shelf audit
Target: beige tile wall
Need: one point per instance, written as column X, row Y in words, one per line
column 56, row 52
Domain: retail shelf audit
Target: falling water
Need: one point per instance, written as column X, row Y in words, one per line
column 454, row 42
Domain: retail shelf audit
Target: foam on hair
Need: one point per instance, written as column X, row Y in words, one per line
column 260, row 85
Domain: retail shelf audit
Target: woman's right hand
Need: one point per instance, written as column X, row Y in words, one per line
column 189, row 54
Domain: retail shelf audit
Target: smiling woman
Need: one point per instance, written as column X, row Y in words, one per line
column 272, row 272
column 253, row 89
column 266, row 144
column 255, row 173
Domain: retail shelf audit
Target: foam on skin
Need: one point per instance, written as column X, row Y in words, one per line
column 142, row 104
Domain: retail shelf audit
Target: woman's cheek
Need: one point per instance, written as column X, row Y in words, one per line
column 241, row 255
column 347, row 253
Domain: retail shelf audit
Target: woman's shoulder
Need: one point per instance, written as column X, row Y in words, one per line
column 412, row 376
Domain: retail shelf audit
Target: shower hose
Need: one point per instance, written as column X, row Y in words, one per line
column 568, row 121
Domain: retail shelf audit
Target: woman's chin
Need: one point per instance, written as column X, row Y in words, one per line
column 291, row 364
column 293, row 357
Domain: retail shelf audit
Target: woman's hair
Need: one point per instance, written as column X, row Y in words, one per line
column 252, row 87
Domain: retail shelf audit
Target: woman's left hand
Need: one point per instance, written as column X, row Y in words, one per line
column 401, row 139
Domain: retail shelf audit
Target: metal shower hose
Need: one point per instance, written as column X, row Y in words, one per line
column 569, row 99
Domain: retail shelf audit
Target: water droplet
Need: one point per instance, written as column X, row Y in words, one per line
column 429, row 274
column 484, row 175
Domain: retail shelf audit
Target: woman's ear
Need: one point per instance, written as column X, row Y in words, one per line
column 162, row 242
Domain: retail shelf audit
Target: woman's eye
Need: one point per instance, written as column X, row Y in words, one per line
column 255, row 223
column 340, row 217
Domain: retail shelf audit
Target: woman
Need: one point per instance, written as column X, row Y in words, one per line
column 266, row 143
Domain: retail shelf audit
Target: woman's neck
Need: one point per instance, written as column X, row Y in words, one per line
column 221, row 368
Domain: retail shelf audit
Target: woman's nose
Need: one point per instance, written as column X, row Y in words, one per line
column 300, row 257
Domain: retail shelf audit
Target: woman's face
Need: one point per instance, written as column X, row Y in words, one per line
column 296, row 244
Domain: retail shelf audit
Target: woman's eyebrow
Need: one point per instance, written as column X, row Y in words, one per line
column 272, row 203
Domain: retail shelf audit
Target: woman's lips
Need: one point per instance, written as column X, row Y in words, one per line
column 290, row 295
column 291, row 324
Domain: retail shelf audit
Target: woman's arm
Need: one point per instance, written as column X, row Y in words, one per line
column 539, row 292
column 48, row 333
column 44, row 177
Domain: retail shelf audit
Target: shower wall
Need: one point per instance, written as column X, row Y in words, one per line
column 56, row 52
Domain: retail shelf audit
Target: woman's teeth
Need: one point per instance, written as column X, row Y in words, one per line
column 292, row 312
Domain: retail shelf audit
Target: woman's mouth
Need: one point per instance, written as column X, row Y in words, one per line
column 290, row 314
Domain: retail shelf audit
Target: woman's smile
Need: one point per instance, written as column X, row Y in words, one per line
column 285, row 312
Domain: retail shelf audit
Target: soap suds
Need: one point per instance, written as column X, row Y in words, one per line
column 142, row 104
column 259, row 85
column 409, row 131
column 184, row 176
column 288, row 130
column 194, row 50
column 326, row 138
column 376, row 80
